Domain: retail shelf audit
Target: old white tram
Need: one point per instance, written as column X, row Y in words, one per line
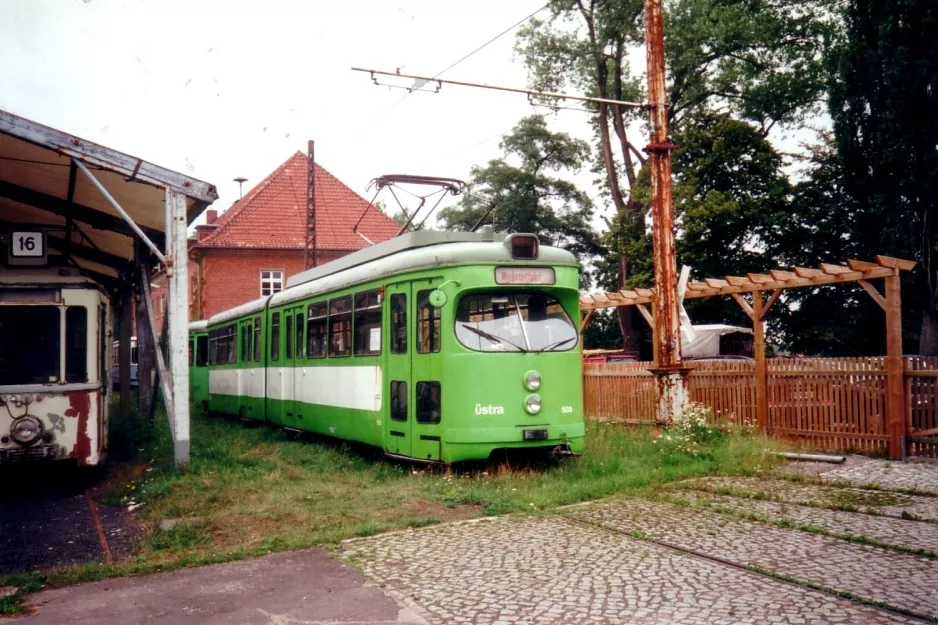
column 55, row 358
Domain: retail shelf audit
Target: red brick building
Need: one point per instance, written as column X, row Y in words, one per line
column 252, row 248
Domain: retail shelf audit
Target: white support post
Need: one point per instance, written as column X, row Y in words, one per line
column 178, row 311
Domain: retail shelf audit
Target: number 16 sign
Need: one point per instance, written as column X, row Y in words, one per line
column 27, row 247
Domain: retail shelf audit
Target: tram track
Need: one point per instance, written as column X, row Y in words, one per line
column 755, row 570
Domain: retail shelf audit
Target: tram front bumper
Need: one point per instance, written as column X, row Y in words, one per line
column 515, row 436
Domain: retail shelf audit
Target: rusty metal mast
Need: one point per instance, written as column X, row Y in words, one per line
column 309, row 253
column 669, row 369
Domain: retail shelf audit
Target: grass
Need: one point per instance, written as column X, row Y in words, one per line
column 250, row 491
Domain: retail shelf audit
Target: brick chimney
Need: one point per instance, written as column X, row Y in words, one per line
column 206, row 229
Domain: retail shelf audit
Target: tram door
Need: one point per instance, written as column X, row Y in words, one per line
column 414, row 370
column 293, row 372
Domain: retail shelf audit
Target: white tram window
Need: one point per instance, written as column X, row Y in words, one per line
column 271, row 281
column 317, row 318
column 76, row 344
column 340, row 326
column 30, row 337
column 368, row 323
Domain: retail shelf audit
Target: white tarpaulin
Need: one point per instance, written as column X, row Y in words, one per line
column 706, row 341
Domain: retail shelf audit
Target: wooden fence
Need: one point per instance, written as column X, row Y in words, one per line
column 825, row 403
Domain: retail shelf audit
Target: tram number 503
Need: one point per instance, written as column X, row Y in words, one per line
column 566, row 409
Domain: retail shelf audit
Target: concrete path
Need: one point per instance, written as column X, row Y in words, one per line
column 299, row 588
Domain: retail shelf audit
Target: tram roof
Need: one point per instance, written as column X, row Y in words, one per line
column 410, row 252
column 198, row 326
column 35, row 171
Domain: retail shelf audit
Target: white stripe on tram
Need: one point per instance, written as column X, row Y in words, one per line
column 358, row 388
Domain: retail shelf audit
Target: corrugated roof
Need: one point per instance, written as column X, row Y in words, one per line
column 272, row 215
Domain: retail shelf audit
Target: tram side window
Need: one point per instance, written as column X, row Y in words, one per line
column 299, row 333
column 231, row 336
column 191, row 352
column 257, row 339
column 368, row 323
column 317, row 320
column 340, row 326
column 275, row 337
column 201, row 351
column 399, row 323
column 29, row 344
column 76, row 344
column 428, row 324
column 398, row 400
column 289, row 332
column 245, row 344
column 428, row 402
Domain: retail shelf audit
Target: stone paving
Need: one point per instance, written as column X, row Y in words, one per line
column 900, row 580
column 860, row 470
column 550, row 570
column 870, row 501
column 907, row 534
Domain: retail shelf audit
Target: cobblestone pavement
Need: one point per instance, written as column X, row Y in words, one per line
column 550, row 570
column 872, row 501
column 900, row 580
column 860, row 470
column 891, row 531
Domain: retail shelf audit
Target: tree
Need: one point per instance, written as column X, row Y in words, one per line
column 884, row 105
column 756, row 60
column 521, row 193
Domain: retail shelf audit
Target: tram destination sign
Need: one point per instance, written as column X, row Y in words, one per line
column 525, row 275
column 27, row 247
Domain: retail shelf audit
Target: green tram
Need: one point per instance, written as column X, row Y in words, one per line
column 198, row 363
column 433, row 346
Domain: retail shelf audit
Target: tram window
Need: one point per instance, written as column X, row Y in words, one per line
column 275, row 337
column 428, row 402
column 317, row 320
column 257, row 339
column 29, row 344
column 231, row 337
column 399, row 323
column 76, row 344
column 103, row 371
column 299, row 334
column 245, row 344
column 340, row 326
column 191, row 352
column 289, row 332
column 514, row 322
column 428, row 324
column 201, row 351
column 398, row 400
column 368, row 323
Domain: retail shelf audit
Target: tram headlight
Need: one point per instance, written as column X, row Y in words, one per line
column 26, row 430
column 533, row 404
column 532, row 380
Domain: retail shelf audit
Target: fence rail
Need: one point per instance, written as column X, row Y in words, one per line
column 826, row 403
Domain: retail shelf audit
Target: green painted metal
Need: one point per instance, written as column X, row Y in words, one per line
column 481, row 395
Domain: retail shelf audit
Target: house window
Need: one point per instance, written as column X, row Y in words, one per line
column 271, row 281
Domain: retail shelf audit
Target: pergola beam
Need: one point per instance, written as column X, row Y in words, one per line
column 800, row 277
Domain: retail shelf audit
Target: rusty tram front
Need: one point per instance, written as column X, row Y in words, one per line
column 55, row 330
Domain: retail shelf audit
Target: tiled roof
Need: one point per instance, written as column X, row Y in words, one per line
column 272, row 215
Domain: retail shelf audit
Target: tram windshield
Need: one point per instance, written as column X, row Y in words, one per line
column 514, row 322
column 29, row 344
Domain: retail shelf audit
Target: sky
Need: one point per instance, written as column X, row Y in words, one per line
column 220, row 89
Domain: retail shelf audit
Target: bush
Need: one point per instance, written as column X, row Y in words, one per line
column 695, row 431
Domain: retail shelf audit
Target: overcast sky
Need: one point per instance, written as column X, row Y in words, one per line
column 225, row 88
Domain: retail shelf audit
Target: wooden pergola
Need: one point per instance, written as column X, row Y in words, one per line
column 776, row 281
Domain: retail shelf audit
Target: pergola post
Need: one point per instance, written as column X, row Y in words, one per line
column 895, row 387
column 124, row 348
column 145, row 340
column 762, row 380
column 178, row 310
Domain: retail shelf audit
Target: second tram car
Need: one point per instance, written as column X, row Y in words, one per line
column 55, row 358
column 434, row 346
